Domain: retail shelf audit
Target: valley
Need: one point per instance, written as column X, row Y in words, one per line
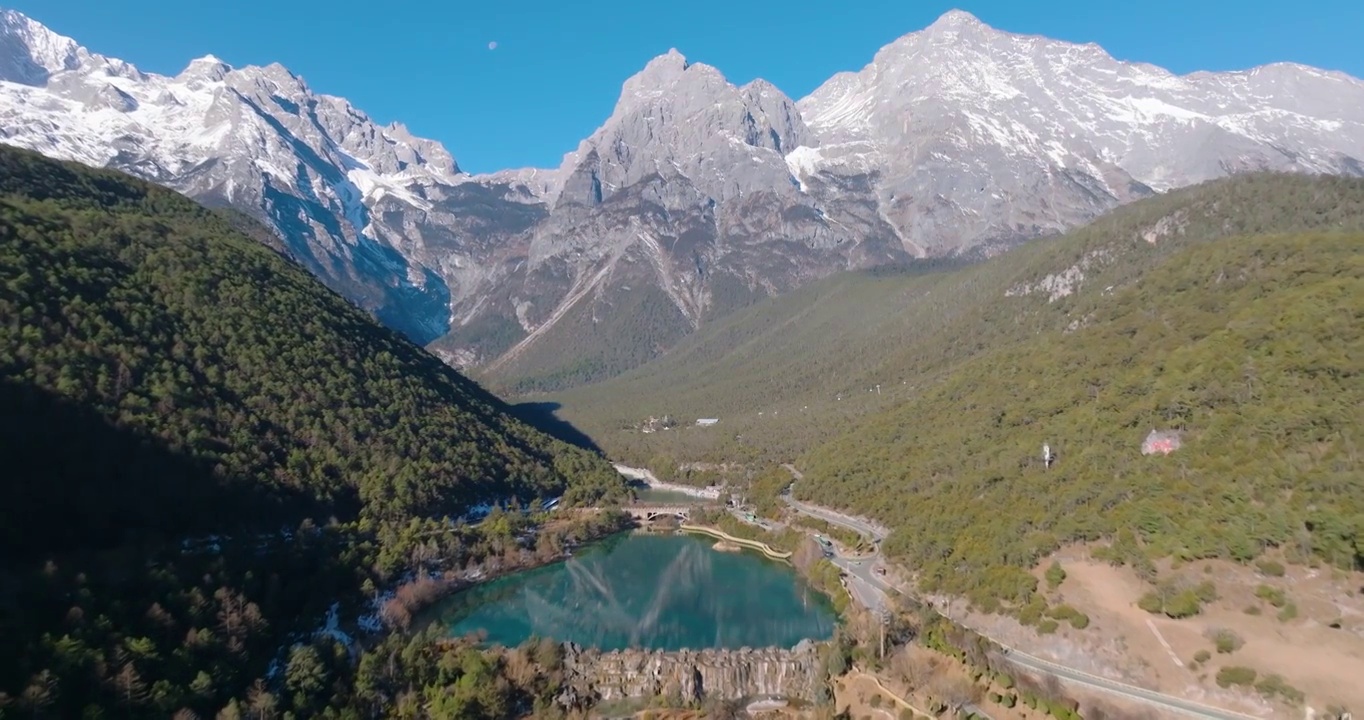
column 830, row 418
column 999, row 379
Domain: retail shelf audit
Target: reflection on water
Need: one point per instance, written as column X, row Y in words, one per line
column 655, row 496
column 666, row 592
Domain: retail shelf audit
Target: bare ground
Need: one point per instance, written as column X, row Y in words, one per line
column 1126, row 643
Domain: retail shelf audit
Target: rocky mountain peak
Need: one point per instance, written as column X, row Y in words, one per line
column 678, row 118
column 695, row 195
column 957, row 20
column 30, row 53
column 668, row 65
column 665, row 76
column 208, row 68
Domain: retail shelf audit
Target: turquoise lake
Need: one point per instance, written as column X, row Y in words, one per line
column 666, row 592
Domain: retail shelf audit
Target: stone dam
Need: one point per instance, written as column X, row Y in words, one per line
column 695, row 675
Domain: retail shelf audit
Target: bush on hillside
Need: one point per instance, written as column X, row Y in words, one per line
column 1226, row 641
column 1235, row 675
column 1270, row 568
column 1272, row 595
column 1276, row 686
column 1055, row 575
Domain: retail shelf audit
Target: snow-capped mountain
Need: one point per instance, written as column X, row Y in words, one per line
column 695, row 196
column 312, row 166
column 680, row 206
column 979, row 135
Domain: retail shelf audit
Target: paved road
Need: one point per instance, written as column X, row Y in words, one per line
column 1150, row 697
column 871, row 529
column 872, row 591
column 862, row 583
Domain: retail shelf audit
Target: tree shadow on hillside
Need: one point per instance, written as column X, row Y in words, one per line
column 75, row 480
column 543, row 416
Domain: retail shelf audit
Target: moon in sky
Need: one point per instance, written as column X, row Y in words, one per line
column 492, row 45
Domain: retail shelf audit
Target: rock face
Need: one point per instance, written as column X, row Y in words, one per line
column 694, row 676
column 313, row 167
column 696, row 196
column 980, row 137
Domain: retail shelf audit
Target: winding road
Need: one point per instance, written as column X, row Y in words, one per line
column 863, row 584
column 873, row 592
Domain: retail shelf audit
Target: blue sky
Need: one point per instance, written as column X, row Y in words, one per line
column 559, row 64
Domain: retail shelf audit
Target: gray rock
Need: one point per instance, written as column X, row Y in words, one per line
column 695, row 196
column 694, row 676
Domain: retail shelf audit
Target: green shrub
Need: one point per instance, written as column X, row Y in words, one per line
column 1062, row 612
column 1252, row 610
column 1055, row 575
column 1206, row 591
column 1235, row 675
column 1272, row 685
column 1270, row 568
column 1009, row 700
column 1202, row 656
column 1183, row 605
column 1288, row 612
column 1005, row 681
column 875, row 701
column 1272, row 595
column 1066, row 613
column 1031, row 613
column 1047, row 627
column 1225, row 640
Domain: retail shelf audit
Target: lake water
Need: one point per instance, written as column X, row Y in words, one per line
column 656, row 496
column 664, row 592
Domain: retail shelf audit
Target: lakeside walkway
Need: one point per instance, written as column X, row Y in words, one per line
column 761, row 547
column 648, row 478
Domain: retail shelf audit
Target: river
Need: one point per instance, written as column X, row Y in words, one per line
column 666, row 592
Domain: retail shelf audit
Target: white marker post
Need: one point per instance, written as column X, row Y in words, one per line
column 1046, row 455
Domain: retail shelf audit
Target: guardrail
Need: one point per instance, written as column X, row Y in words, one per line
column 761, row 547
column 1020, row 658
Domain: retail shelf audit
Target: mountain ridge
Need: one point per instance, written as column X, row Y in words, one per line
column 786, row 372
column 185, row 331
column 695, row 196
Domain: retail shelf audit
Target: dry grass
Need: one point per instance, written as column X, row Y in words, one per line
column 1324, row 662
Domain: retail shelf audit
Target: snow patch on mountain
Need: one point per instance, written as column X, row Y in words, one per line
column 955, row 139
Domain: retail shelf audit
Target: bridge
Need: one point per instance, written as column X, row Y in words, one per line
column 649, row 513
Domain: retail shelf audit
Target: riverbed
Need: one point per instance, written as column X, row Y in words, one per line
column 665, row 592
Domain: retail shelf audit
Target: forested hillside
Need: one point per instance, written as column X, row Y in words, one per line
column 203, row 448
column 1251, row 348
column 132, row 312
column 790, row 372
column 1230, row 312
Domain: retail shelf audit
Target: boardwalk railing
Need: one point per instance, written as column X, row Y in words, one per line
column 761, row 547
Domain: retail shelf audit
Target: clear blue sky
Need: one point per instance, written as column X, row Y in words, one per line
column 559, row 64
